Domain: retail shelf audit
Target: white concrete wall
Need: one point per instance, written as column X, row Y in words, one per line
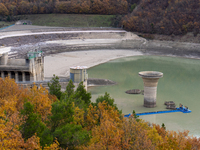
column 17, row 62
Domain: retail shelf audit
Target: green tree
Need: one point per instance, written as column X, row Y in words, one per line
column 55, row 87
column 163, row 126
column 62, row 113
column 70, row 88
column 108, row 100
column 32, row 124
column 62, row 123
column 46, row 138
column 70, row 136
column 135, row 116
column 82, row 94
column 80, row 97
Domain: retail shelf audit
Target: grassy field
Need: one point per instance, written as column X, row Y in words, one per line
column 72, row 20
column 4, row 24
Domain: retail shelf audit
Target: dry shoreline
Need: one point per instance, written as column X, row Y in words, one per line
column 59, row 64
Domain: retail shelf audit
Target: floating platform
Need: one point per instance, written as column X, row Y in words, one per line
column 180, row 109
column 133, row 91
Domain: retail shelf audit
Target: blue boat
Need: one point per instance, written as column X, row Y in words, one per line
column 179, row 109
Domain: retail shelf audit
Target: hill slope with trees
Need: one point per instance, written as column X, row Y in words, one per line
column 168, row 17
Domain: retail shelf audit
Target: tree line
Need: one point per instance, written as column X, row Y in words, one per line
column 38, row 119
column 20, row 7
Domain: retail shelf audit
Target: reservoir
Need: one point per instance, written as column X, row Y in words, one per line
column 180, row 83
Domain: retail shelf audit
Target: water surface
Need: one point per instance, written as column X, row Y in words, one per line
column 180, row 83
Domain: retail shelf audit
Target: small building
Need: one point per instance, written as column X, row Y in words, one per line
column 29, row 69
column 78, row 74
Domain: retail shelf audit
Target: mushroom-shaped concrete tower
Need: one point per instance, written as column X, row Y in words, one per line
column 150, row 79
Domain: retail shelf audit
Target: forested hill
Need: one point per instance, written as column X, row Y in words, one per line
column 164, row 17
column 168, row 17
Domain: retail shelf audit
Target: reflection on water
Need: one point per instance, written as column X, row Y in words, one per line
column 180, row 83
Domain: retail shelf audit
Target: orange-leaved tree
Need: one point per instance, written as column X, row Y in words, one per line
column 3, row 10
column 12, row 98
column 105, row 123
column 41, row 101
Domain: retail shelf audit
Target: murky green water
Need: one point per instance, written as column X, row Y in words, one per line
column 180, row 83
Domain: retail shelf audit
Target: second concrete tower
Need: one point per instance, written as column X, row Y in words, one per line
column 150, row 79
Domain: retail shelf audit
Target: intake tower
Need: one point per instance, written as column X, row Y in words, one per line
column 150, row 79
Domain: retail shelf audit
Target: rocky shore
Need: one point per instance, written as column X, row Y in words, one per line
column 55, row 40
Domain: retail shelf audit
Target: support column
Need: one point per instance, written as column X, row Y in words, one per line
column 150, row 79
column 16, row 77
column 23, row 77
column 2, row 74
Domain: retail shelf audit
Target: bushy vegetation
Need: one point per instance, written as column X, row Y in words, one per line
column 35, row 119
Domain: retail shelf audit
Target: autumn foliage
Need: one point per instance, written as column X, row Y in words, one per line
column 169, row 17
column 34, row 119
column 12, row 98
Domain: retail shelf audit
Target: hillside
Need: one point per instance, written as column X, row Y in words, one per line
column 169, row 20
column 71, row 20
column 68, row 20
column 166, row 17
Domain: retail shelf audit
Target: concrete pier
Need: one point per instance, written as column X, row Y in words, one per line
column 150, row 79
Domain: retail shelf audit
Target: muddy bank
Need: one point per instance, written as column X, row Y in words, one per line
column 99, row 82
column 189, row 37
column 181, row 49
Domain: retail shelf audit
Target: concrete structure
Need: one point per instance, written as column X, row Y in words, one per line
column 29, row 69
column 78, row 74
column 23, row 22
column 150, row 79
